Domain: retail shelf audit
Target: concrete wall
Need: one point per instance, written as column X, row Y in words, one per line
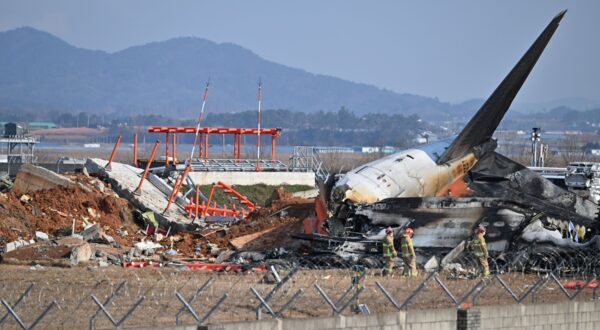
column 250, row 178
column 566, row 315
column 440, row 319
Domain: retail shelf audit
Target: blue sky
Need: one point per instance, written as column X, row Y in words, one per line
column 453, row 50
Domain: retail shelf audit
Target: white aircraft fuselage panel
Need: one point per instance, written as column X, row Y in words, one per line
column 409, row 173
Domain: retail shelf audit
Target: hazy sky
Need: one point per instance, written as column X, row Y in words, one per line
column 454, row 50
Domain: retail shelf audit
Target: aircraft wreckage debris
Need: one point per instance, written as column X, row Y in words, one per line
column 444, row 191
column 95, row 221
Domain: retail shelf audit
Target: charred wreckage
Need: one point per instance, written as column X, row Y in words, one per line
column 447, row 189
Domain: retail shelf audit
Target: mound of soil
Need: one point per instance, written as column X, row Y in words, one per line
column 53, row 211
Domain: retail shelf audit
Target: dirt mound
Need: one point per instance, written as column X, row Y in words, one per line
column 88, row 201
column 278, row 194
column 53, row 211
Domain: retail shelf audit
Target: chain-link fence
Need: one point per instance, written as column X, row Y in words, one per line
column 96, row 299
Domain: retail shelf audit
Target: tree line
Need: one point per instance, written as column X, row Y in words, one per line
column 339, row 128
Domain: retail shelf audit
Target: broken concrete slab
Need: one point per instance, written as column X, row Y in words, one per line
column 125, row 179
column 452, row 255
column 41, row 236
column 32, row 178
column 17, row 244
column 165, row 188
column 91, row 232
column 81, row 253
column 431, row 265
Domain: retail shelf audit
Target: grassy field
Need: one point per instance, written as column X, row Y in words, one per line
column 258, row 193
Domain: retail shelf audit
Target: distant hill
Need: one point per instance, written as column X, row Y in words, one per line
column 39, row 71
column 559, row 118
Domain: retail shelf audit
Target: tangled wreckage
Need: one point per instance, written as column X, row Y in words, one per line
column 446, row 189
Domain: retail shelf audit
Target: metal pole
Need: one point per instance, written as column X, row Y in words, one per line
column 200, row 151
column 263, row 302
column 214, row 308
column 174, row 149
column 206, row 146
column 234, row 144
column 334, row 309
column 112, row 155
column 197, row 198
column 167, row 149
column 258, row 133
column 200, row 122
column 239, row 148
column 272, row 147
column 178, row 186
column 147, row 167
column 17, row 302
column 135, row 146
column 210, row 195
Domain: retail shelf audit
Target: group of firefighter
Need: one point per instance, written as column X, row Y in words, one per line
column 477, row 246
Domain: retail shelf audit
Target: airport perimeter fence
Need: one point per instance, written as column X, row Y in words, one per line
column 167, row 297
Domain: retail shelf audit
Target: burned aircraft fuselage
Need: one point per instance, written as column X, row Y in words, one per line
column 410, row 173
column 443, row 222
column 479, row 185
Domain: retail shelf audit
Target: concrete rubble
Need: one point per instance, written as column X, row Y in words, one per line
column 94, row 218
column 33, row 178
column 125, row 179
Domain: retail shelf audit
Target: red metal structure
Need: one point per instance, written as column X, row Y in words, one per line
column 147, row 167
column 206, row 131
column 135, row 145
column 213, row 209
column 112, row 154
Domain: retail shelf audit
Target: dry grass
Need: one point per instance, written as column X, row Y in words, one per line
column 71, row 288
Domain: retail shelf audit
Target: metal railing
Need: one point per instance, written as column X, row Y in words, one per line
column 307, row 159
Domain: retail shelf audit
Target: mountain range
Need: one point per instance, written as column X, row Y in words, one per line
column 39, row 71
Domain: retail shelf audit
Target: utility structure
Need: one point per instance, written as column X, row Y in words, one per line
column 536, row 136
column 258, row 131
column 16, row 147
column 205, row 132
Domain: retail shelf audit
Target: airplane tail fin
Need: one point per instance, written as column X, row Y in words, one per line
column 486, row 120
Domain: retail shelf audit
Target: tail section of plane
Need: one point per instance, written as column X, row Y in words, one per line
column 482, row 126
